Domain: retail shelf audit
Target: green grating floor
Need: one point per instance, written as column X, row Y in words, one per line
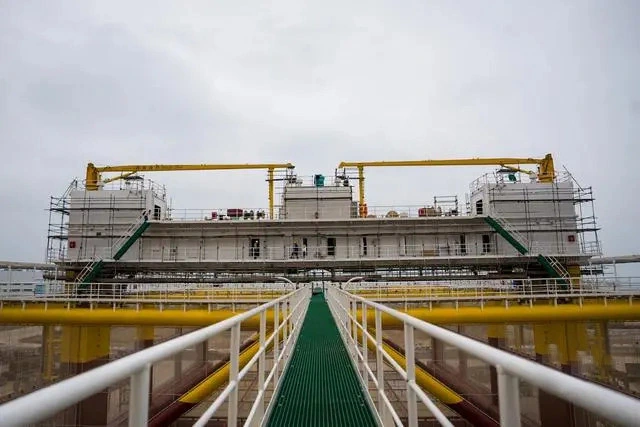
column 320, row 387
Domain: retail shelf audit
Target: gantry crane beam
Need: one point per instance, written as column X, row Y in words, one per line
column 94, row 179
column 546, row 171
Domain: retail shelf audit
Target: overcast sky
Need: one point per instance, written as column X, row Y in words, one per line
column 314, row 83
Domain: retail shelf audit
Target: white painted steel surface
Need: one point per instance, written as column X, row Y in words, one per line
column 614, row 406
column 46, row 402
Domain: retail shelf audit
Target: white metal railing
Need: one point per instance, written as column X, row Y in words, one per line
column 344, row 306
column 148, row 293
column 295, row 213
column 291, row 308
column 159, row 190
column 395, row 291
column 482, row 291
column 244, row 252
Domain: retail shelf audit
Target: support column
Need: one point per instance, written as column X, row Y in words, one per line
column 85, row 348
column 48, row 353
column 601, row 352
column 495, row 338
column 144, row 337
column 553, row 410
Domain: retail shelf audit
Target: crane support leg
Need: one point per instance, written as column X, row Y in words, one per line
column 361, row 189
column 270, row 193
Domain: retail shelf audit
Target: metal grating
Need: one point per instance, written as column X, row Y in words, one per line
column 320, row 387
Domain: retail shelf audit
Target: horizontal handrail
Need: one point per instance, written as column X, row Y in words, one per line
column 461, row 290
column 605, row 402
column 355, row 250
column 48, row 401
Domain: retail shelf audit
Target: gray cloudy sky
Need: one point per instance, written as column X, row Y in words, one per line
column 315, row 83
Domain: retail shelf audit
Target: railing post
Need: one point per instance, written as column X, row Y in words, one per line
column 354, row 313
column 276, row 341
column 409, row 354
column 382, row 409
column 139, row 398
column 346, row 315
column 509, row 398
column 234, row 356
column 261, row 366
column 365, row 361
column 285, row 327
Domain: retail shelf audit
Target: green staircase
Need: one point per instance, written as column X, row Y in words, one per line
column 95, row 270
column 507, row 236
column 131, row 240
column 123, row 244
column 320, row 386
column 551, row 265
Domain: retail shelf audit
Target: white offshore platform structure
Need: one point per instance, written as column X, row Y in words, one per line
column 514, row 224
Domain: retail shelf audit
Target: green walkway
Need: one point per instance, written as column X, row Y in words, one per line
column 320, row 388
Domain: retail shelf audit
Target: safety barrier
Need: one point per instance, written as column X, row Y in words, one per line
column 344, row 306
column 44, row 403
column 487, row 290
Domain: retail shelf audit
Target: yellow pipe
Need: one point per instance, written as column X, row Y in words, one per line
column 518, row 314
column 106, row 316
column 424, row 380
column 434, row 387
column 439, row 315
column 221, row 376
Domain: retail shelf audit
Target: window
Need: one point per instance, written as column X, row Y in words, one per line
column 156, row 212
column 486, row 243
column 463, row 245
column 364, row 246
column 331, row 246
column 479, row 207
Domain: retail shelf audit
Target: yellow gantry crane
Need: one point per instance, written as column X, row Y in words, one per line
column 546, row 171
column 94, row 173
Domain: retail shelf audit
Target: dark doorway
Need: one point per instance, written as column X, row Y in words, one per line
column 463, row 245
column 486, row 243
column 331, row 246
column 254, row 250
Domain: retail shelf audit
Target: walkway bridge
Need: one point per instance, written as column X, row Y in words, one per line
column 336, row 357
